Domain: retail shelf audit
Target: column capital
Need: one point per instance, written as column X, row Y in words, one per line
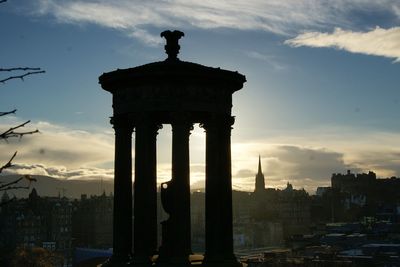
column 182, row 119
column 218, row 121
column 148, row 121
column 122, row 122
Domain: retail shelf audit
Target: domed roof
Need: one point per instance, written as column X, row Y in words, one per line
column 170, row 70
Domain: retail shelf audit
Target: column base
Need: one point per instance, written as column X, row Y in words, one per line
column 173, row 262
column 141, row 261
column 221, row 262
column 118, row 261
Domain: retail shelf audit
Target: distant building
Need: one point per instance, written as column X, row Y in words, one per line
column 366, row 195
column 56, row 223
column 352, row 197
column 38, row 222
column 92, row 222
column 260, row 179
column 267, row 216
column 322, row 190
column 352, row 183
column 294, row 211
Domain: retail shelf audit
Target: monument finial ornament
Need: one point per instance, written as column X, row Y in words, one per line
column 172, row 47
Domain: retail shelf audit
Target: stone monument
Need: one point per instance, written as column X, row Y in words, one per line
column 181, row 94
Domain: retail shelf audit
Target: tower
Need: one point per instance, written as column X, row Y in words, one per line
column 260, row 180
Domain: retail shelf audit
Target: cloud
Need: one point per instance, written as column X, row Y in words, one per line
column 308, row 163
column 244, row 173
column 306, row 167
column 62, row 152
column 308, row 157
column 271, row 60
column 376, row 42
column 57, row 145
column 72, row 154
column 59, row 152
column 283, row 17
column 385, row 162
column 61, row 172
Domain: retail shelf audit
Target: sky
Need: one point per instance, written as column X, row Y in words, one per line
column 322, row 92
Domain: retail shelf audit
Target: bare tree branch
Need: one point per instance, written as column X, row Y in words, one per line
column 9, row 163
column 26, row 71
column 7, row 112
column 11, row 133
column 20, row 68
column 22, row 76
column 11, row 185
column 15, row 187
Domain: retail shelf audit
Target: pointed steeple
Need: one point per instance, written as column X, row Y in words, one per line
column 33, row 195
column 260, row 180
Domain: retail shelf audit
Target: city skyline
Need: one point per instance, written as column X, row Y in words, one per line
column 320, row 95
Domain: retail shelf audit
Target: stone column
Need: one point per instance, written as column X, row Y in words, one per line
column 181, row 127
column 175, row 196
column 145, row 194
column 219, row 230
column 122, row 225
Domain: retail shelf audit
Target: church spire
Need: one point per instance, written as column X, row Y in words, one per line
column 260, row 180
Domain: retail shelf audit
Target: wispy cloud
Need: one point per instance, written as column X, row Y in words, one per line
column 376, row 42
column 282, row 17
column 62, row 172
column 269, row 59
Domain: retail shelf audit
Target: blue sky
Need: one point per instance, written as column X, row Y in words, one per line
column 322, row 92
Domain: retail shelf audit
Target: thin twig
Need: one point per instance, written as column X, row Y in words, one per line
column 11, row 185
column 9, row 163
column 7, row 112
column 10, row 132
column 14, row 187
column 20, row 134
column 22, row 76
column 19, row 68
